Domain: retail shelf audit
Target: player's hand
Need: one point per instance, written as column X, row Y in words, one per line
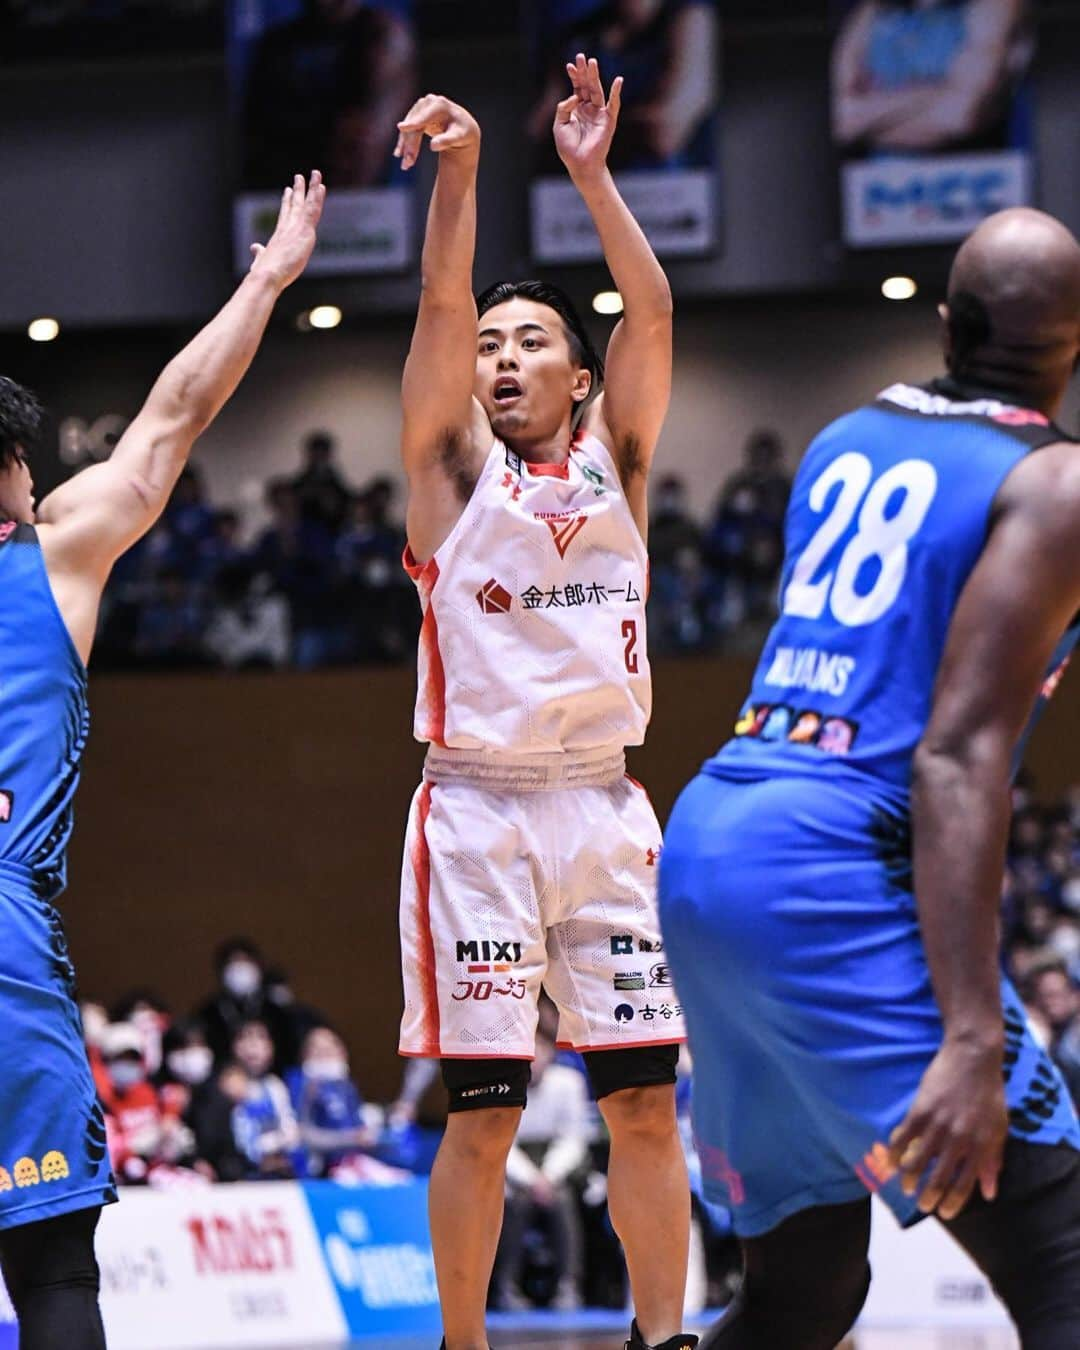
column 448, row 125
column 585, row 122
column 285, row 254
column 955, row 1131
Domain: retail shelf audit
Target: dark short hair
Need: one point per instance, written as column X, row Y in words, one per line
column 21, row 418
column 236, row 946
column 544, row 293
column 321, row 441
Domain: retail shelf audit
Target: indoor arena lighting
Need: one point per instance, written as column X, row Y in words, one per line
column 607, row 302
column 43, row 330
column 325, row 316
column 898, row 288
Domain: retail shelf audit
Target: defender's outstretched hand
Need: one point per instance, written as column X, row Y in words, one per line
column 585, row 122
column 285, row 255
column 448, row 124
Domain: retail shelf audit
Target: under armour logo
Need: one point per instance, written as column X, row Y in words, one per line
column 508, row 482
column 652, row 856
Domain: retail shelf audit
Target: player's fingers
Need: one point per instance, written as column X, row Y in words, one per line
column 565, row 109
column 901, row 1137
column 942, row 1175
column 581, row 77
column 257, row 249
column 916, row 1158
column 959, row 1191
column 411, row 142
column 422, row 112
column 615, row 98
column 989, row 1169
column 595, row 86
column 283, row 209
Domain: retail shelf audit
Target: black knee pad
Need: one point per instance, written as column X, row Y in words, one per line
column 474, row 1084
column 637, row 1066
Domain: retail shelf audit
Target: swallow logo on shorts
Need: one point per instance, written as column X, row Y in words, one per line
column 7, row 805
column 623, row 945
column 628, row 980
column 493, row 598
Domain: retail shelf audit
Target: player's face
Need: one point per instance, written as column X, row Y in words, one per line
column 526, row 378
column 17, row 490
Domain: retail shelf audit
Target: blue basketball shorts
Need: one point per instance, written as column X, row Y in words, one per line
column 791, row 931
column 53, row 1153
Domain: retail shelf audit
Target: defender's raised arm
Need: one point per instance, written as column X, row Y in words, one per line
column 91, row 519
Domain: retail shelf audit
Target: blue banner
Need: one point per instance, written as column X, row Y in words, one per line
column 376, row 1246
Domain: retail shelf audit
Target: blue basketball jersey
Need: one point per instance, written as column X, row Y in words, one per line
column 44, row 718
column 889, row 513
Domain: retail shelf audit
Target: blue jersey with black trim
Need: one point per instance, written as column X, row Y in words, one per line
column 44, row 717
column 889, row 513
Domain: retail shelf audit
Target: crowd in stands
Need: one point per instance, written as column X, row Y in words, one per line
column 256, row 1084
column 322, row 583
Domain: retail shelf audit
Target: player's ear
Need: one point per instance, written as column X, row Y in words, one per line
column 582, row 385
column 946, row 332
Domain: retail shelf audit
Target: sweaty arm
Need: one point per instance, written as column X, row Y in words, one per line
column 1018, row 601
column 444, row 430
column 89, row 521
column 630, row 412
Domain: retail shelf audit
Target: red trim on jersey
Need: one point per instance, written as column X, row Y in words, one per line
column 548, row 470
column 432, row 697
column 416, row 570
column 425, row 957
column 619, row 1045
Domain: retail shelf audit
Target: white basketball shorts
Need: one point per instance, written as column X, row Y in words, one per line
column 507, row 891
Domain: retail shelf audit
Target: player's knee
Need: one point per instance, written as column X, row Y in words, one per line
column 483, row 1137
column 640, row 1112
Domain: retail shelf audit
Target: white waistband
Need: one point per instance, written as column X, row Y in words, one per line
column 526, row 773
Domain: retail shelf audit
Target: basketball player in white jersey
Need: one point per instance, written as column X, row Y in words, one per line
column 530, row 857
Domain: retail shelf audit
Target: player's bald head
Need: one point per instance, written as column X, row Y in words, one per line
column 1013, row 310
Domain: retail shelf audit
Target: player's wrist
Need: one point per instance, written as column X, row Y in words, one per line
column 591, row 180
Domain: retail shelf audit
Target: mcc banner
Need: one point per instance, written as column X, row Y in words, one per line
column 665, row 150
column 931, row 113
column 319, row 85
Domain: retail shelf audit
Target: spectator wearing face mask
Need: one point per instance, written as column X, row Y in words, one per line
column 329, row 1107
column 142, row 1135
column 264, row 1125
column 242, row 997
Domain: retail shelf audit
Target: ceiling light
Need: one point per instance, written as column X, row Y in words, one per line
column 325, row 316
column 898, row 288
column 607, row 302
column 43, row 330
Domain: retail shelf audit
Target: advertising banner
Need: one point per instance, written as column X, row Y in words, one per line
column 931, row 113
column 223, row 1266
column 319, row 85
column 664, row 154
column 376, row 1247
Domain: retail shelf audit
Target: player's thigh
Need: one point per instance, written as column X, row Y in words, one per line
column 607, row 972
column 472, row 942
column 1027, row 1242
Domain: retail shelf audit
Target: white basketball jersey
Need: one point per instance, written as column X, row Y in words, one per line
column 533, row 638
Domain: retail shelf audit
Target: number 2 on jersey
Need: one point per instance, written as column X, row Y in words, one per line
column 879, row 537
column 629, row 632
